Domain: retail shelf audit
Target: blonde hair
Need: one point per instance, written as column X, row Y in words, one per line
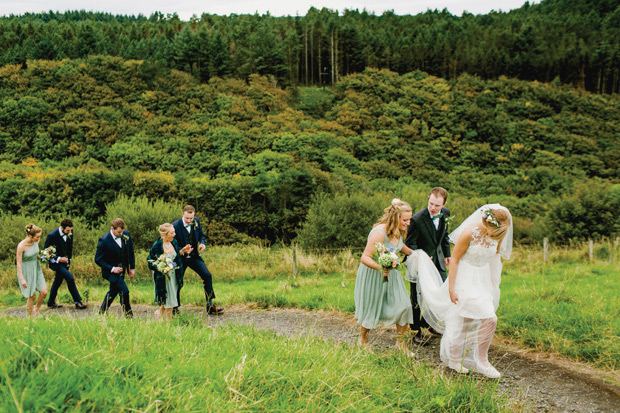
column 164, row 229
column 497, row 232
column 32, row 230
column 391, row 217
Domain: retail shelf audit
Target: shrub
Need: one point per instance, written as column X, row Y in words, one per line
column 142, row 217
column 341, row 221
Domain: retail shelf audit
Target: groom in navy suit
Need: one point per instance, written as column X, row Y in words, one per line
column 62, row 239
column 115, row 256
column 428, row 231
column 189, row 232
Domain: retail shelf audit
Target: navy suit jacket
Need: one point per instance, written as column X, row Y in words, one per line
column 63, row 248
column 182, row 236
column 108, row 255
column 422, row 234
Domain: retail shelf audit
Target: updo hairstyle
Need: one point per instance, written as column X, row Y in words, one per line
column 497, row 232
column 32, row 230
column 164, row 229
column 391, row 217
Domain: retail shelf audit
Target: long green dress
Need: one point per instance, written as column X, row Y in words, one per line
column 31, row 270
column 378, row 302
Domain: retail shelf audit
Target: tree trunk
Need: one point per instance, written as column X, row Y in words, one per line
column 332, row 53
column 312, row 56
column 306, row 44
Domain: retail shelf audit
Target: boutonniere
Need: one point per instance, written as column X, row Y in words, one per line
column 449, row 220
column 125, row 237
column 192, row 224
column 70, row 234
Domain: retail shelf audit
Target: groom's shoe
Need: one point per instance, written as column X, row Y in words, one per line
column 417, row 339
column 213, row 310
column 433, row 331
column 81, row 306
column 55, row 305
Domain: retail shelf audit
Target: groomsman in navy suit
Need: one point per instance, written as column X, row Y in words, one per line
column 115, row 256
column 62, row 239
column 189, row 232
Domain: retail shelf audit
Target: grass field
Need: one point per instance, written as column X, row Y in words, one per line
column 112, row 364
column 568, row 306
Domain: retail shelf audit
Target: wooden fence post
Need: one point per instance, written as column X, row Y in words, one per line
column 295, row 260
column 591, row 245
column 546, row 250
column 611, row 251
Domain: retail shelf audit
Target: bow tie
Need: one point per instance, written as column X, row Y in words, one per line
column 437, row 216
column 115, row 238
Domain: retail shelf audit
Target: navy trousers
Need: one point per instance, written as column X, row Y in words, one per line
column 117, row 287
column 63, row 274
column 198, row 265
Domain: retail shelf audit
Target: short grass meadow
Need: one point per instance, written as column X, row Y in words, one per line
column 112, row 364
column 568, row 306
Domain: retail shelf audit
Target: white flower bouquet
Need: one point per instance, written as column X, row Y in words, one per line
column 164, row 265
column 386, row 258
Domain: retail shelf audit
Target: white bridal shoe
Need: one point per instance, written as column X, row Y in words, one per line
column 458, row 367
column 488, row 371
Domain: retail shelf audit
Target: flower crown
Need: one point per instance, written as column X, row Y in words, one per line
column 489, row 217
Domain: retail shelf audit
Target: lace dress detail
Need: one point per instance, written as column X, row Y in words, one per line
column 481, row 249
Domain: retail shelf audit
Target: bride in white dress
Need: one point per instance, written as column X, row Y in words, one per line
column 463, row 307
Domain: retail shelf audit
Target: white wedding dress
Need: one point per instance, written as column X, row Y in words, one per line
column 469, row 325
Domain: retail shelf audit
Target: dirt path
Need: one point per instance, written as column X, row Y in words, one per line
column 536, row 380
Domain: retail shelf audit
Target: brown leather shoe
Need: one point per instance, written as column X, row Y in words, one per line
column 55, row 305
column 81, row 306
column 213, row 310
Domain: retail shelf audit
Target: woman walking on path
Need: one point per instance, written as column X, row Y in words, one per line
column 376, row 301
column 168, row 276
column 29, row 272
column 464, row 306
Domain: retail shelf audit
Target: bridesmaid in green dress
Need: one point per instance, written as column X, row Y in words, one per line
column 378, row 302
column 29, row 273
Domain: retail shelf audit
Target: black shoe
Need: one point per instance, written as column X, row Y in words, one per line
column 55, row 305
column 213, row 310
column 81, row 306
column 175, row 311
column 418, row 340
column 433, row 331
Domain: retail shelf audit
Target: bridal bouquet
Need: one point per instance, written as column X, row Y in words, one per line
column 164, row 265
column 386, row 258
column 48, row 255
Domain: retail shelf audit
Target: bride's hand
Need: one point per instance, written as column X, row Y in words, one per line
column 453, row 297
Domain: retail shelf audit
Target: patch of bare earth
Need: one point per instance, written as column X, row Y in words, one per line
column 533, row 380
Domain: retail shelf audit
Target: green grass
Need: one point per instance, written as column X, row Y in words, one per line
column 112, row 364
column 570, row 309
column 569, row 306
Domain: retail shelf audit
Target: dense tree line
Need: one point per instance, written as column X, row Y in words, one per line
column 570, row 41
column 76, row 134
